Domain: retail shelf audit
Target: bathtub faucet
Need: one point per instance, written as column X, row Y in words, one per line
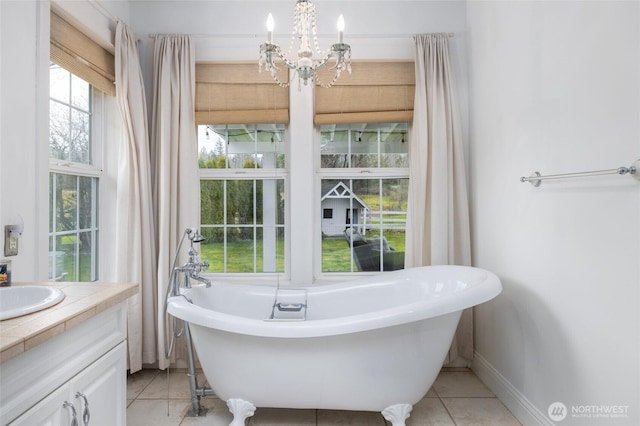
column 193, row 267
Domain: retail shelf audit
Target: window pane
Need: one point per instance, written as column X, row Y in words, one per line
column 66, row 252
column 73, row 236
column 86, row 202
column 270, row 149
column 85, row 256
column 250, row 236
column 367, row 228
column 59, row 83
column 80, row 91
column 66, row 197
column 236, row 146
column 240, row 202
column 394, row 147
column 364, row 145
column 80, row 137
column 58, row 131
column 69, row 117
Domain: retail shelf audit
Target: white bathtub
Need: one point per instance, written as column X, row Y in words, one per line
column 374, row 344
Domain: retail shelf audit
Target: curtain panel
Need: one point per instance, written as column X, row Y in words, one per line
column 437, row 213
column 135, row 231
column 174, row 156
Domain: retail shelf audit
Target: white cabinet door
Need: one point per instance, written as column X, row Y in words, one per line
column 48, row 412
column 102, row 385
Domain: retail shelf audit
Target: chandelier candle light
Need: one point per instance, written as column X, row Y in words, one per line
column 304, row 29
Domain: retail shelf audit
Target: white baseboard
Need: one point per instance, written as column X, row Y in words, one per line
column 512, row 398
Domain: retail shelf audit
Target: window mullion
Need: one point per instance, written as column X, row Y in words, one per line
column 255, row 225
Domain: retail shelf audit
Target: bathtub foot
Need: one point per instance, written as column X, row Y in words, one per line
column 397, row 414
column 240, row 409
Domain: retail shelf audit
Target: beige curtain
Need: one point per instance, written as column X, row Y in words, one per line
column 135, row 231
column 174, row 153
column 438, row 217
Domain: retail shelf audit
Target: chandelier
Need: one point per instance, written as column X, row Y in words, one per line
column 304, row 29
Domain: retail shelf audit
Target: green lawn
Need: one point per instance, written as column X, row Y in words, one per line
column 335, row 254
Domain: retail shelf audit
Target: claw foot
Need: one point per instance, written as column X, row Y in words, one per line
column 240, row 409
column 397, row 414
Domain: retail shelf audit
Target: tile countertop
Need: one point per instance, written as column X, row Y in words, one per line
column 82, row 301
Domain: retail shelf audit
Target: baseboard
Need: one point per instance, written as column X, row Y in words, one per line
column 512, row 398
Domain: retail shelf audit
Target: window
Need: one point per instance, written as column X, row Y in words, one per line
column 242, row 202
column 327, row 214
column 74, row 179
column 364, row 180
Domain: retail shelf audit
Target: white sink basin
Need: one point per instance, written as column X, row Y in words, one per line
column 26, row 299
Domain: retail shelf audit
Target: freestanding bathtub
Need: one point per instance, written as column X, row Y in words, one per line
column 373, row 344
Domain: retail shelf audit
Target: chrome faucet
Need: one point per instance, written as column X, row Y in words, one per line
column 191, row 271
column 192, row 268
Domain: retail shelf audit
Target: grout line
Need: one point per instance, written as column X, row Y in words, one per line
column 448, row 412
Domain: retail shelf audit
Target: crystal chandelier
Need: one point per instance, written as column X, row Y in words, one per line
column 304, row 29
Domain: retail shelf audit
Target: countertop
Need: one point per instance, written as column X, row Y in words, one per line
column 82, row 301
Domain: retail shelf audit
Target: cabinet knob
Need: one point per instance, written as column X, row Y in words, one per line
column 74, row 417
column 86, row 415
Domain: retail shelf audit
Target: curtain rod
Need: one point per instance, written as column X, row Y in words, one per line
column 103, row 10
column 351, row 36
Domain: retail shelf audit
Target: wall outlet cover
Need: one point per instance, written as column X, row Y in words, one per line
column 10, row 243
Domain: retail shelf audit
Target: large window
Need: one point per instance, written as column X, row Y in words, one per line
column 364, row 183
column 242, row 202
column 73, row 179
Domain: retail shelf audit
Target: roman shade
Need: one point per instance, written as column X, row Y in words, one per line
column 375, row 92
column 77, row 53
column 238, row 93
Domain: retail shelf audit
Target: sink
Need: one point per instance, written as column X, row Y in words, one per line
column 22, row 300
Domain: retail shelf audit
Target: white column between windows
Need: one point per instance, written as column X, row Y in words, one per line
column 301, row 184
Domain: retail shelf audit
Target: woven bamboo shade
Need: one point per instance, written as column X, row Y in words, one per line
column 80, row 55
column 238, row 93
column 375, row 92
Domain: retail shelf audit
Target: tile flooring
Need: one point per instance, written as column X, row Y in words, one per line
column 457, row 398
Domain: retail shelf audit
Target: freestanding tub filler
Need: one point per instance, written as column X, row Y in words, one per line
column 373, row 344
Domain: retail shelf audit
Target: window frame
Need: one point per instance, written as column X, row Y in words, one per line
column 92, row 170
column 346, row 174
column 253, row 174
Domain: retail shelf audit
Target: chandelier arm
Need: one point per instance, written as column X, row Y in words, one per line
column 305, row 31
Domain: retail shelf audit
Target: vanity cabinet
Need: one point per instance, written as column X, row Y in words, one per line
column 86, row 363
column 93, row 396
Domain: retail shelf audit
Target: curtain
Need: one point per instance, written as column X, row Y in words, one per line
column 135, row 231
column 174, row 154
column 438, row 217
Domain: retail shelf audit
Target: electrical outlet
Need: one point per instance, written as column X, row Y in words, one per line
column 10, row 243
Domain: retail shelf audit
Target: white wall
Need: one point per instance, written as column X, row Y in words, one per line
column 555, row 87
column 21, row 169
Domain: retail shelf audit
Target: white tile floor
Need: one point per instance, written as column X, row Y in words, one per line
column 457, row 398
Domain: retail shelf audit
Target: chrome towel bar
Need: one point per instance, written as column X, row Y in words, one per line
column 536, row 178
